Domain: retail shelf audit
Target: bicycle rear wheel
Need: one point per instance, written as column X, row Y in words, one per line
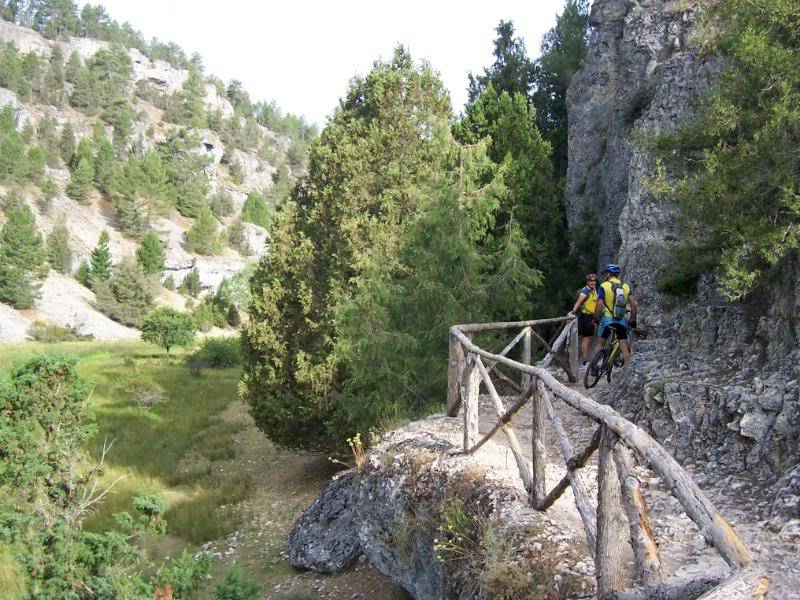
column 595, row 368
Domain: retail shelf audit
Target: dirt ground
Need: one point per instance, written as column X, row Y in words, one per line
column 284, row 483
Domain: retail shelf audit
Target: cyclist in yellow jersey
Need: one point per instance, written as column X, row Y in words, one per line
column 584, row 310
column 613, row 300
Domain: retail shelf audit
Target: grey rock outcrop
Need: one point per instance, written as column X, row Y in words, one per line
column 394, row 512
column 717, row 382
column 325, row 537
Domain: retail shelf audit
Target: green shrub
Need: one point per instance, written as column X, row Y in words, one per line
column 167, row 327
column 138, row 387
column 237, row 237
column 183, row 575
column 221, row 203
column 236, row 586
column 218, row 353
column 43, row 331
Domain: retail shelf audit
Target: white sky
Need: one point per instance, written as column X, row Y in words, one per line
column 302, row 53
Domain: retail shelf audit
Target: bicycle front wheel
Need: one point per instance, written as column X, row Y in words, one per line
column 595, row 368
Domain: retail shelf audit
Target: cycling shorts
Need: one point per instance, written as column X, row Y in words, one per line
column 585, row 325
column 619, row 325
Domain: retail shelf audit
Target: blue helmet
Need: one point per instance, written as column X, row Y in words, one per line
column 612, row 268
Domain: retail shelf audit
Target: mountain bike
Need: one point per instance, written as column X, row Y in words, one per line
column 603, row 362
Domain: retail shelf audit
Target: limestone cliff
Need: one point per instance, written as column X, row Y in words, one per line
column 717, row 383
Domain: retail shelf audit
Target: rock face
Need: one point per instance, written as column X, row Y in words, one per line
column 716, row 383
column 442, row 526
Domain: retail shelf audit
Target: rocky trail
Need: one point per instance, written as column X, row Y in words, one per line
column 683, row 550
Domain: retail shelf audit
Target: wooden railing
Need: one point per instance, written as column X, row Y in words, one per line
column 618, row 443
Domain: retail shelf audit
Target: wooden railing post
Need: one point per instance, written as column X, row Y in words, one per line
column 610, row 522
column 526, row 355
column 573, row 351
column 471, row 403
column 538, row 447
column 645, row 549
column 454, row 366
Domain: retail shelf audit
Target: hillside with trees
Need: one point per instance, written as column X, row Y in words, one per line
column 124, row 163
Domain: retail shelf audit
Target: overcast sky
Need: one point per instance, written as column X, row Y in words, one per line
column 302, row 53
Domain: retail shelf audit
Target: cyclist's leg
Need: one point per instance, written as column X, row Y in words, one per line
column 603, row 331
column 621, row 330
column 586, row 331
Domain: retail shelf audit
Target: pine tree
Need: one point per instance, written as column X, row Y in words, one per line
column 22, row 255
column 512, row 70
column 84, row 273
column 532, row 200
column 83, row 150
column 187, row 107
column 389, row 134
column 100, row 261
column 59, row 252
column 563, row 53
column 81, row 181
column 202, row 236
column 191, row 283
column 104, row 164
column 150, row 255
column 255, row 210
column 126, row 296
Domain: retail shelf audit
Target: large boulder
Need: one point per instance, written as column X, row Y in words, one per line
column 325, row 537
column 421, row 515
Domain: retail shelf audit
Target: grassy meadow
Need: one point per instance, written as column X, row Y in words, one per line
column 229, row 489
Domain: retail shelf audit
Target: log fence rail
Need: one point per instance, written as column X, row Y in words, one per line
column 618, row 443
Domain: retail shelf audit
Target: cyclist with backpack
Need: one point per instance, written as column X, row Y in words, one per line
column 586, row 304
column 613, row 300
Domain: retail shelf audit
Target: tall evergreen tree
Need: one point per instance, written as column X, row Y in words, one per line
column 81, row 181
column 187, row 107
column 126, row 296
column 202, row 236
column 22, row 255
column 150, row 255
column 100, row 262
column 563, row 53
column 104, row 164
column 67, row 144
column 512, row 70
column 368, row 229
column 191, row 283
column 59, row 251
column 532, row 197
